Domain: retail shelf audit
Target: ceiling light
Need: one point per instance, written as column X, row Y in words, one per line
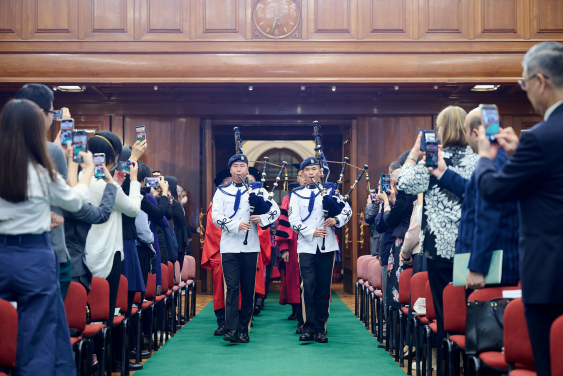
column 396, row 88
column 435, row 87
column 302, row 87
column 156, row 88
column 485, row 87
column 71, row 89
column 334, row 88
column 250, row 88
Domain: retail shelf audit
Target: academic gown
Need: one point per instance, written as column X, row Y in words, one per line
column 286, row 239
column 211, row 260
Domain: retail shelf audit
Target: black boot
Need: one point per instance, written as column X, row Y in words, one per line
column 321, row 338
column 307, row 337
column 230, row 335
column 220, row 331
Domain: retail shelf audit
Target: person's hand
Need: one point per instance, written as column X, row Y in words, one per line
column 404, row 260
column 119, row 177
column 380, row 263
column 87, row 160
column 486, row 149
column 244, row 227
column 134, row 170
column 508, row 140
column 369, row 199
column 57, row 141
column 66, row 113
column 56, row 220
column 415, row 151
column 474, row 280
column 381, row 196
column 198, row 230
column 320, row 233
column 392, row 194
column 163, row 185
column 285, row 256
column 154, row 192
column 329, row 222
column 254, row 219
column 439, row 171
column 107, row 176
column 137, row 150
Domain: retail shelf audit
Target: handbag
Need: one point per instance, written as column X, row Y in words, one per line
column 484, row 325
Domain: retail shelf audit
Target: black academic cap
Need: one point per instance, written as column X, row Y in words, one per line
column 221, row 175
column 256, row 173
column 297, row 166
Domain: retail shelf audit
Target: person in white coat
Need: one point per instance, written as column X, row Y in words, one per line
column 231, row 212
column 306, row 217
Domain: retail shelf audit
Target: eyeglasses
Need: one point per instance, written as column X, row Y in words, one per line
column 53, row 113
column 522, row 82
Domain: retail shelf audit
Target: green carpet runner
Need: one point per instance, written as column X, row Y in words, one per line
column 274, row 348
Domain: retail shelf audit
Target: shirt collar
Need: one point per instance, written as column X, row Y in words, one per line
column 311, row 186
column 238, row 185
column 551, row 109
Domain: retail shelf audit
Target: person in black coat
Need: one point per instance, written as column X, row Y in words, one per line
column 179, row 219
column 534, row 177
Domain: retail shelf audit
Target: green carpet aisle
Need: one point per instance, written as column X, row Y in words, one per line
column 274, row 348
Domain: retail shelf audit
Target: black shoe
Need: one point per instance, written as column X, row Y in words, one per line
column 321, row 338
column 132, row 366
column 220, row 331
column 144, row 355
column 307, row 337
column 293, row 316
column 299, row 329
column 256, row 310
column 243, row 338
column 230, row 336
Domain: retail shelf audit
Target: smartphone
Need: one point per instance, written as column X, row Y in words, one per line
column 80, row 143
column 141, row 135
column 432, row 154
column 67, row 127
column 156, row 173
column 57, row 114
column 490, row 120
column 385, row 183
column 124, row 166
column 152, row 182
column 99, row 162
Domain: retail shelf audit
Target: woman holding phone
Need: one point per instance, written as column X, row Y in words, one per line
column 29, row 184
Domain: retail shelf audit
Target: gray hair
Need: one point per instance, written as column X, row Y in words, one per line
column 394, row 165
column 180, row 190
column 395, row 175
column 545, row 58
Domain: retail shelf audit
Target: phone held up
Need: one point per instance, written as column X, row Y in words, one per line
column 141, row 134
column 124, row 166
column 152, row 182
column 80, row 143
column 430, row 147
column 156, row 173
column 67, row 127
column 490, row 120
column 57, row 114
column 386, row 183
column 99, row 162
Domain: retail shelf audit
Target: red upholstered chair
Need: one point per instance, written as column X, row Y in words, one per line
column 98, row 300
column 455, row 312
column 517, row 346
column 404, row 299
column 75, row 309
column 493, row 360
column 431, row 329
column 375, row 295
column 188, row 276
column 418, row 290
column 359, row 285
column 555, row 345
column 9, row 333
column 368, row 276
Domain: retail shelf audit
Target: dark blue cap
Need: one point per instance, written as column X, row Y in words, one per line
column 297, row 166
column 238, row 158
column 294, row 184
column 311, row 161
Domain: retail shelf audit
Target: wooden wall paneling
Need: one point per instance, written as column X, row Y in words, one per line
column 443, row 19
column 10, row 19
column 332, row 19
column 386, row 19
column 221, row 19
column 91, row 123
column 520, row 123
column 546, row 19
column 50, row 19
column 117, row 125
column 164, row 20
column 111, row 20
column 500, row 19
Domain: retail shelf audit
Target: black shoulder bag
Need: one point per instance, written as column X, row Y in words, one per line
column 484, row 326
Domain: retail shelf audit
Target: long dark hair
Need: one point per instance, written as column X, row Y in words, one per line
column 22, row 140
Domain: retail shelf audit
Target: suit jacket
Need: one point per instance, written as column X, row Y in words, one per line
column 534, row 177
column 376, row 241
column 485, row 227
column 399, row 217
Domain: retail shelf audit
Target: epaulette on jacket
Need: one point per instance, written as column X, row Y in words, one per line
column 299, row 188
column 225, row 185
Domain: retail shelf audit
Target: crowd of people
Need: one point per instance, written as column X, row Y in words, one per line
column 60, row 225
column 481, row 197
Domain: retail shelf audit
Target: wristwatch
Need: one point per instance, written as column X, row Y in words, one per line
column 413, row 158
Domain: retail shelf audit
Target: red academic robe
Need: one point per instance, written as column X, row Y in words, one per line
column 286, row 239
column 211, row 260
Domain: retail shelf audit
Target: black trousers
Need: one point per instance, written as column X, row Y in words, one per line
column 440, row 274
column 113, row 280
column 316, row 274
column 239, row 268
column 539, row 318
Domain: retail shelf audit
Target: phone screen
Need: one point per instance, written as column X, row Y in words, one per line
column 386, row 183
column 432, row 154
column 152, row 182
column 123, row 166
column 490, row 121
column 67, row 127
column 57, row 114
column 99, row 161
column 141, row 135
column 80, row 143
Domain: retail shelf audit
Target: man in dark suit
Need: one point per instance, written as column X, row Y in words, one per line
column 534, row 176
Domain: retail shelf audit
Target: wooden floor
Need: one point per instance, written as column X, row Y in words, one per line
column 202, row 300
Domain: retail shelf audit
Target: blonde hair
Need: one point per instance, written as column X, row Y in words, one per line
column 450, row 120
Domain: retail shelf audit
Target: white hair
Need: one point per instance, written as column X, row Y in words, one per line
column 545, row 58
column 179, row 189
